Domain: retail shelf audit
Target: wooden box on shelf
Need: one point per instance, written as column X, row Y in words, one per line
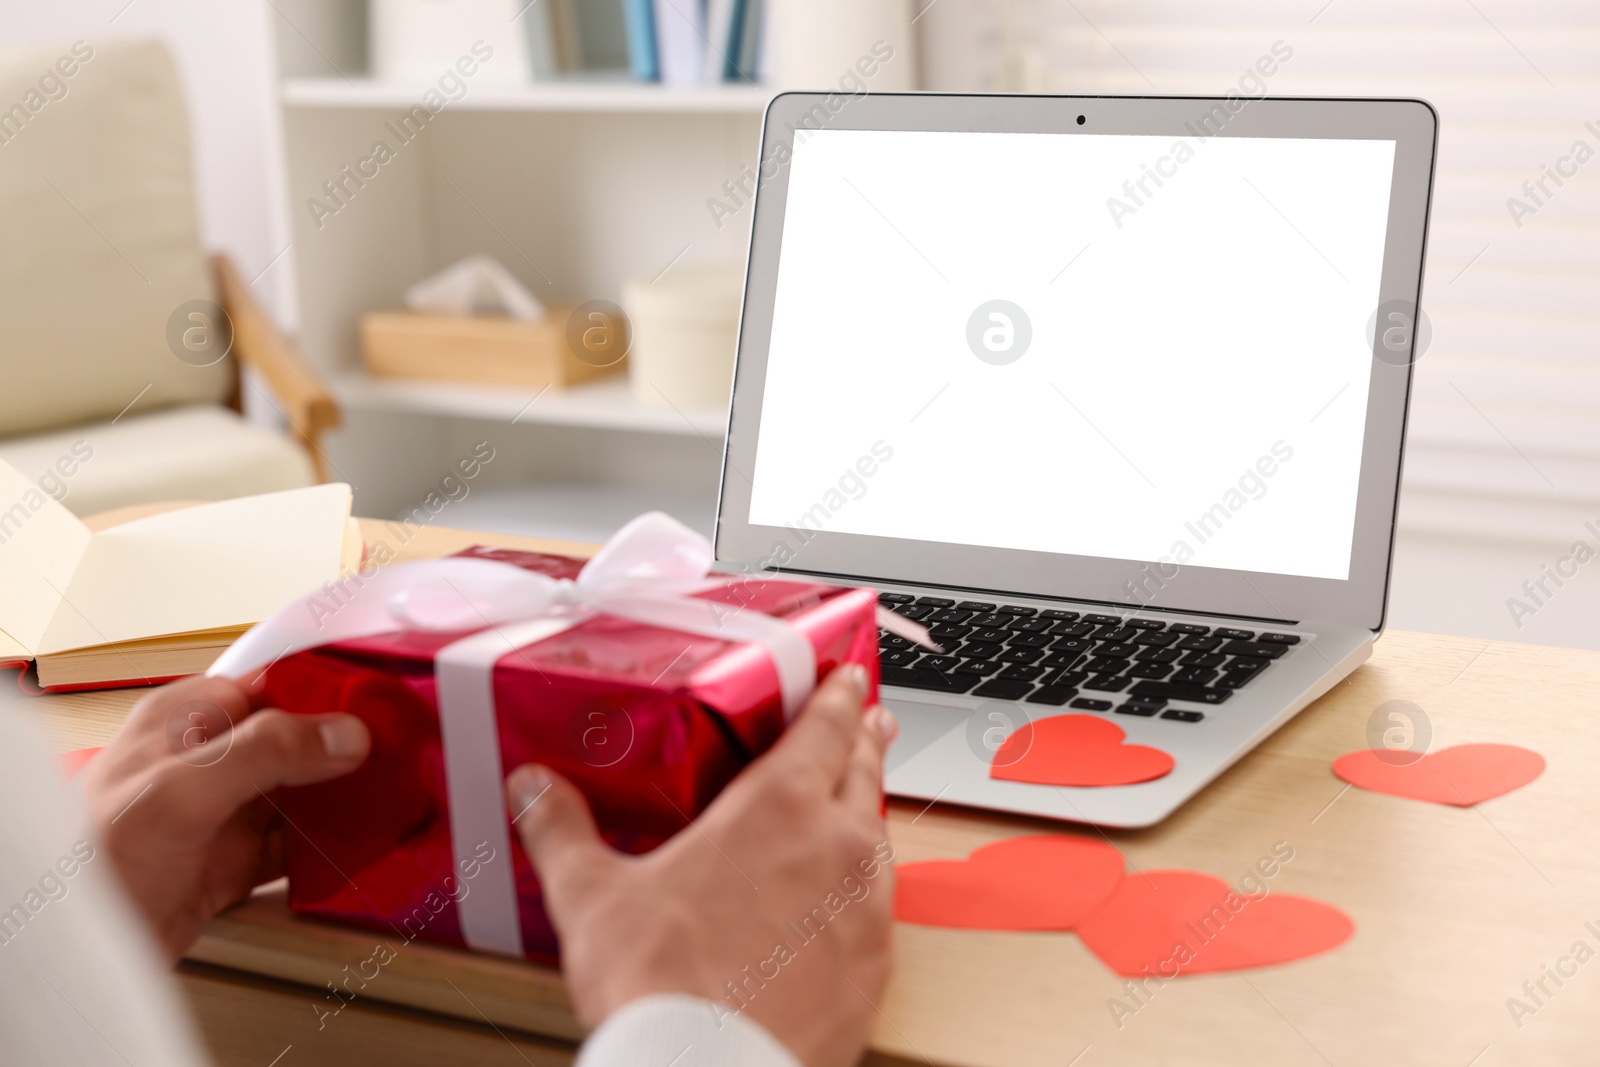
column 476, row 350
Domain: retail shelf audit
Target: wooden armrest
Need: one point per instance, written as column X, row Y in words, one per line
column 303, row 398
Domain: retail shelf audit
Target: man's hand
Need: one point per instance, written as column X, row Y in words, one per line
column 776, row 901
column 181, row 798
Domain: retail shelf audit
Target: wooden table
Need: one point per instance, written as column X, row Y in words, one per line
column 1454, row 910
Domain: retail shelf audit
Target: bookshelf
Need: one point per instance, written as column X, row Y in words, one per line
column 576, row 185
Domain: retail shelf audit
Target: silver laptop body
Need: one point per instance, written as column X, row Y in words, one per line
column 1098, row 389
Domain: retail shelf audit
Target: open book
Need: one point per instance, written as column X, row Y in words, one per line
column 158, row 597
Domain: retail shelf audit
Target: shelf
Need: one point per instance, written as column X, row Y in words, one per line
column 620, row 97
column 606, row 405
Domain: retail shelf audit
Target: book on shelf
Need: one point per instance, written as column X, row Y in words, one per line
column 544, row 45
column 590, row 37
column 639, row 17
column 679, row 43
column 562, row 17
column 715, row 59
column 732, row 33
column 747, row 68
column 603, row 36
column 158, row 597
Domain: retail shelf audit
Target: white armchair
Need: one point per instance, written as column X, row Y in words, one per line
column 100, row 268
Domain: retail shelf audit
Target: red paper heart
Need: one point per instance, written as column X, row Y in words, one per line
column 1077, row 750
column 1167, row 923
column 1462, row 775
column 1047, row 882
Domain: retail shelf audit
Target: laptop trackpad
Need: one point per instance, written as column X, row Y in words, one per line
column 920, row 726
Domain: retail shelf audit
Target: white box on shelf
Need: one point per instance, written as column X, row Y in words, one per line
column 685, row 330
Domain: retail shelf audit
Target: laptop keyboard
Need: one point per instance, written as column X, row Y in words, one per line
column 1063, row 658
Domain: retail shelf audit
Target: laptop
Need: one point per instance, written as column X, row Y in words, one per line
column 1108, row 393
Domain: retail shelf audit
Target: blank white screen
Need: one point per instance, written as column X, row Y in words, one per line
column 1190, row 342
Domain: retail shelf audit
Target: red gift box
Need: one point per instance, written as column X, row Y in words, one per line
column 650, row 723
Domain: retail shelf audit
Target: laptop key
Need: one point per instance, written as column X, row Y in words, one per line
column 950, row 615
column 1058, row 615
column 979, row 650
column 919, row 678
column 989, row 633
column 1029, row 641
column 1061, row 660
column 991, row 619
column 1243, row 664
column 1254, row 648
column 1138, row 707
column 1200, row 644
column 895, row 598
column 1204, row 659
column 1158, row 655
column 939, row 663
column 1115, row 650
column 1149, row 670
column 982, row 667
column 948, row 631
column 1020, row 655
column 1073, row 629
column 1183, row 716
column 1236, row 635
column 1091, row 704
column 1054, row 695
column 1110, row 683
column 1194, row 675
column 1147, row 624
column 900, row 657
column 915, row 612
column 1194, row 629
column 975, row 605
column 1067, row 679
column 1106, row 665
column 1103, row 620
column 1021, row 672
column 1003, row 689
column 1235, row 681
column 1280, row 639
column 1157, row 639
column 1072, row 644
column 1194, row 694
column 1017, row 609
column 1027, row 625
column 1119, row 634
column 935, row 601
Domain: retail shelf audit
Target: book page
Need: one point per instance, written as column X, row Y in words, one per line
column 230, row 563
column 41, row 543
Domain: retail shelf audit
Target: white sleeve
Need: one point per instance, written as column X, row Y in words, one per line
column 80, row 979
column 682, row 1031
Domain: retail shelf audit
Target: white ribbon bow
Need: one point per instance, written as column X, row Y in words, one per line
column 646, row 573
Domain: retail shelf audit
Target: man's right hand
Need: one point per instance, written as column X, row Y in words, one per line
column 775, row 902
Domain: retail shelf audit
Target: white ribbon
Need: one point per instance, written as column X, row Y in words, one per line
column 645, row 574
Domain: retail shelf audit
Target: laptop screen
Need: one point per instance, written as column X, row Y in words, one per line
column 1138, row 347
